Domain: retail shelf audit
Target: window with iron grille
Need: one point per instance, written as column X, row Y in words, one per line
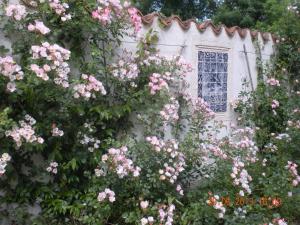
column 212, row 79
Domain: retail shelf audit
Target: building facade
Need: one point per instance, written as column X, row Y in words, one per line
column 223, row 58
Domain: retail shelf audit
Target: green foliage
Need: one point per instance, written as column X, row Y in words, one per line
column 185, row 9
column 70, row 197
column 255, row 109
column 241, row 13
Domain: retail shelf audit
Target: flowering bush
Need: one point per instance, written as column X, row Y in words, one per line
column 273, row 110
column 11, row 70
column 84, row 140
column 38, row 27
column 3, row 162
column 17, row 12
column 87, row 90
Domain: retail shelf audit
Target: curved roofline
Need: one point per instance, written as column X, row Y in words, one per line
column 185, row 25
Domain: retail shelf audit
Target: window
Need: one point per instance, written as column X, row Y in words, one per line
column 212, row 79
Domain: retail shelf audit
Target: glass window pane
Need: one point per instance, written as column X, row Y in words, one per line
column 212, row 79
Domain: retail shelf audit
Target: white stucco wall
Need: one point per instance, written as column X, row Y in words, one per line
column 172, row 39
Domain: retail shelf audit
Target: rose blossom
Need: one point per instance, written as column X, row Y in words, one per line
column 107, row 193
column 3, row 162
column 135, row 19
column 117, row 161
column 144, row 204
column 60, row 9
column 57, row 57
column 10, row 70
column 275, row 104
column 273, row 82
column 89, row 88
column 16, row 11
column 24, row 132
column 52, row 168
column 38, row 27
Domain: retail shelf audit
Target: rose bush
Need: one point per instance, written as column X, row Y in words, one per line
column 90, row 134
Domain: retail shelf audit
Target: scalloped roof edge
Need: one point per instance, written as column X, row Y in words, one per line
column 185, row 25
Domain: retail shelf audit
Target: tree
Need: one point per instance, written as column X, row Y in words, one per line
column 243, row 13
column 186, row 9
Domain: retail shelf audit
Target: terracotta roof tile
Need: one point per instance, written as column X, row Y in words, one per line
column 185, row 25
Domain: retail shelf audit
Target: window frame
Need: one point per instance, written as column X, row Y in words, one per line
column 220, row 50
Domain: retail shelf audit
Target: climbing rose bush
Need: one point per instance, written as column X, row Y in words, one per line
column 10, row 70
column 3, row 162
column 91, row 133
